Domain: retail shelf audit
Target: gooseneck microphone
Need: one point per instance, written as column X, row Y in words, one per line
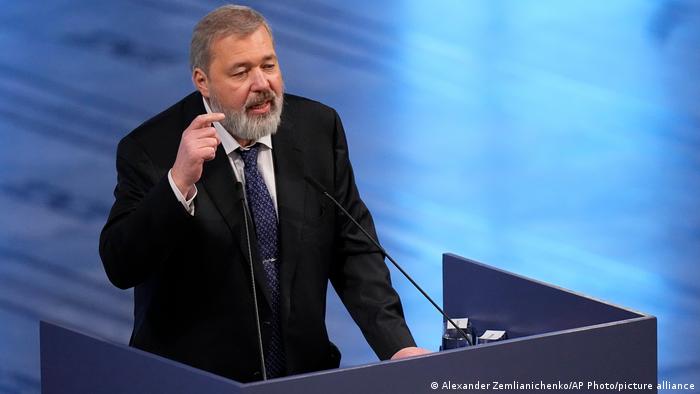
column 323, row 191
column 246, row 215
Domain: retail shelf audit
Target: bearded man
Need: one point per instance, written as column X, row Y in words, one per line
column 195, row 209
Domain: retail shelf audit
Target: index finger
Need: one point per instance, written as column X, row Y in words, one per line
column 205, row 120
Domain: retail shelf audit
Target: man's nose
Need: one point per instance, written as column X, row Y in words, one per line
column 259, row 80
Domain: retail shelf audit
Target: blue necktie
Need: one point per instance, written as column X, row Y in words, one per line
column 265, row 219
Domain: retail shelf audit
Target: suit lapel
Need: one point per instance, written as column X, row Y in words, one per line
column 289, row 180
column 226, row 193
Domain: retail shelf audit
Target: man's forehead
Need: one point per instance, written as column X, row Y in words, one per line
column 257, row 43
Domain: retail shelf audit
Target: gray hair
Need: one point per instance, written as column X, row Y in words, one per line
column 226, row 20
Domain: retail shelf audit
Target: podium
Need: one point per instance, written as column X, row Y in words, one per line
column 557, row 341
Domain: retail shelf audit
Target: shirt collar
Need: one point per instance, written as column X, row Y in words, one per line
column 227, row 141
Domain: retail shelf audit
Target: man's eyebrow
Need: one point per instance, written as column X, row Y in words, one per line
column 249, row 64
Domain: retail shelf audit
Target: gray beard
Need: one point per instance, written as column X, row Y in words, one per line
column 240, row 125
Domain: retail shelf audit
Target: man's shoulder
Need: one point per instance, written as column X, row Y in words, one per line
column 169, row 123
column 300, row 101
column 302, row 108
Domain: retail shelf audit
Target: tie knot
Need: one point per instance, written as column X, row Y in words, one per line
column 249, row 156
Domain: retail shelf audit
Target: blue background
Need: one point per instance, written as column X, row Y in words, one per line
column 555, row 139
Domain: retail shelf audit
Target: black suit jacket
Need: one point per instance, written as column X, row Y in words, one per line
column 193, row 299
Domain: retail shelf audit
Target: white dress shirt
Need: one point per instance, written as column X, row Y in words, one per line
column 230, row 145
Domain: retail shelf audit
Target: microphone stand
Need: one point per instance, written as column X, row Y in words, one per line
column 261, row 352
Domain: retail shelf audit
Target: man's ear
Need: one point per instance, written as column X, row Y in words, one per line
column 200, row 81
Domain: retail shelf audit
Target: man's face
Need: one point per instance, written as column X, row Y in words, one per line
column 245, row 83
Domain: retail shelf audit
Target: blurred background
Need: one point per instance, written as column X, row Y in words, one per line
column 558, row 140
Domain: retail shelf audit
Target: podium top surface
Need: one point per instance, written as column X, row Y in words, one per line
column 495, row 299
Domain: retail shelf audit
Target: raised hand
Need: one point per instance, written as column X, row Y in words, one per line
column 197, row 145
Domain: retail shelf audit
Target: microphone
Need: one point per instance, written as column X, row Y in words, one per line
column 323, row 191
column 246, row 215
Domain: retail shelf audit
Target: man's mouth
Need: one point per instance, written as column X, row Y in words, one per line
column 260, row 108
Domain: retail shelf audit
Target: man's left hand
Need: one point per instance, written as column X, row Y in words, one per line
column 410, row 352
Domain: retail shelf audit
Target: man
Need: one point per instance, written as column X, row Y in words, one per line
column 184, row 232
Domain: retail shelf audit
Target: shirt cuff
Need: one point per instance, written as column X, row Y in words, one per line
column 187, row 204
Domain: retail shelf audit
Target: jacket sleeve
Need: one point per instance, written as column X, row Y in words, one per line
column 146, row 221
column 359, row 274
